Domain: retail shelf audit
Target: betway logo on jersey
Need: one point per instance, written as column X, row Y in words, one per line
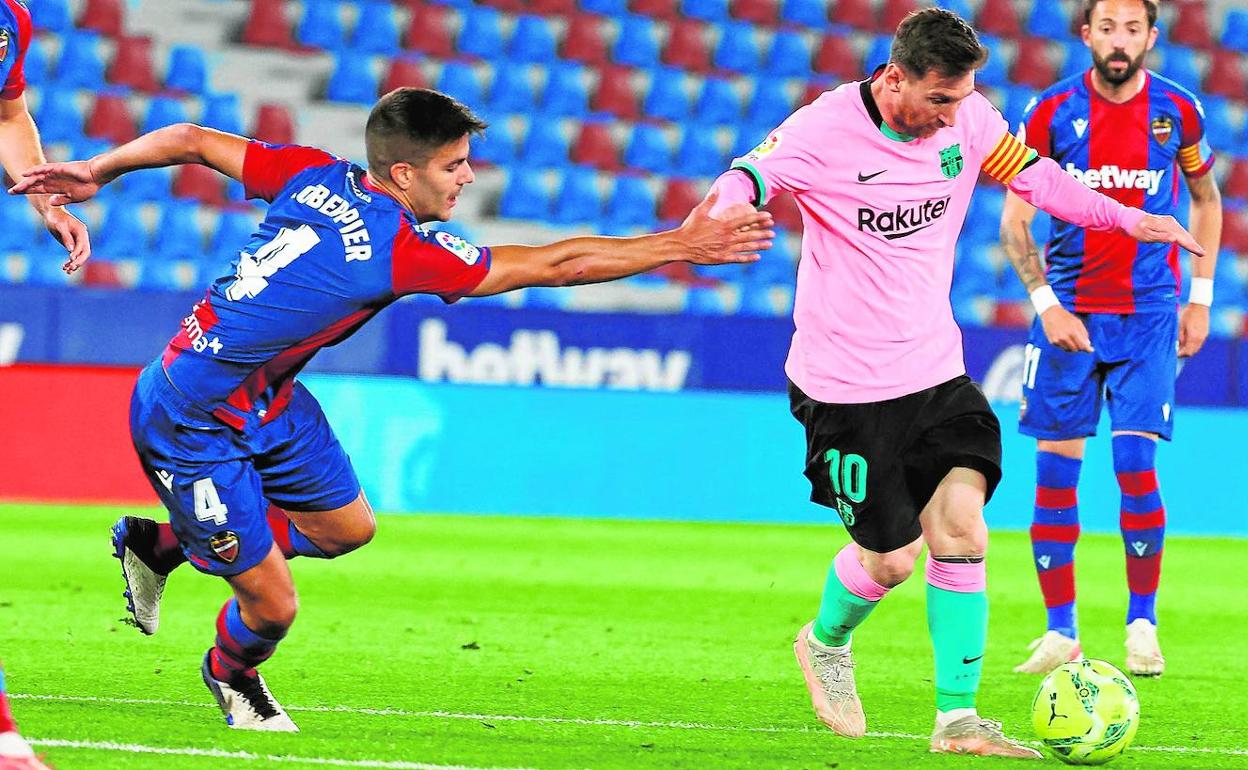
column 354, row 234
column 537, row 357
column 1115, row 178
column 902, row 221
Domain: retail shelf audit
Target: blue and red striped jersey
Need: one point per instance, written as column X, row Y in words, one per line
column 333, row 251
column 1133, row 152
column 15, row 34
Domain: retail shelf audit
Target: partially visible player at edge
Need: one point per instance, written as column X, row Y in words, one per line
column 901, row 443
column 238, row 451
column 1107, row 325
column 20, row 149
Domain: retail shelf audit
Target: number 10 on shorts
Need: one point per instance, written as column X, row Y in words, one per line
column 848, row 474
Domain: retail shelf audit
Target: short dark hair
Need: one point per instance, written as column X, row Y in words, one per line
column 409, row 124
column 937, row 39
column 1150, row 7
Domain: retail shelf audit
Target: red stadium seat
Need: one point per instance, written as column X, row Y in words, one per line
column 998, row 17
column 403, row 72
column 855, row 13
column 1226, row 75
column 553, row 7
column 785, row 212
column 596, row 147
column 664, row 10
column 508, row 6
column 837, row 57
column 1235, row 232
column 813, row 91
column 428, row 31
column 765, row 12
column 584, row 41
column 679, row 198
column 267, row 25
column 99, row 272
column 686, row 46
column 1033, row 66
column 1236, row 185
column 132, row 66
column 110, row 119
column 274, row 125
column 199, row 183
column 1012, row 314
column 1190, row 25
column 103, row 16
column 894, row 11
column 615, row 93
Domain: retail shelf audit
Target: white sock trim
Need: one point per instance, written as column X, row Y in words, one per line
column 944, row 718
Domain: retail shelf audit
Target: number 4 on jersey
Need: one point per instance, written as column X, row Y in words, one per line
column 208, row 505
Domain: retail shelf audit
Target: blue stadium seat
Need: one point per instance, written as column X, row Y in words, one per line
column 511, row 91
column 699, row 153
column 148, row 184
column 234, row 228
column 81, row 65
column 702, row 300
column 1077, row 59
column 714, row 11
column 760, row 300
column 974, row 274
column 188, row 70
column 524, row 197
column 547, row 298
column 545, row 145
column 790, row 56
column 122, row 235
column 459, row 80
column 1219, row 125
column 163, row 111
column 221, row 112
column 667, row 98
column 614, row 8
column 877, row 53
column 36, row 67
column 565, row 92
column 17, row 224
column 87, row 147
column 496, row 146
column 808, row 13
column 376, row 30
column 321, row 26
column 718, row 103
column 1016, row 100
column 179, row 236
column 648, row 150
column 637, row 44
column 169, row 275
column 52, row 15
column 58, row 116
column 578, row 200
column 353, row 80
column 750, row 136
column 482, row 33
column 995, row 71
column 960, row 7
column 1046, row 21
column 768, row 106
column 1180, row 65
column 632, row 203
column 532, row 41
column 44, row 265
column 1235, row 33
column 737, row 50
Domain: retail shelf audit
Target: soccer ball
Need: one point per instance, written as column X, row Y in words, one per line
column 1086, row 712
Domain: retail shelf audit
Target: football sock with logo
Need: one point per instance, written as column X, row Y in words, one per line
column 7, row 724
column 238, row 649
column 848, row 598
column 288, row 537
column 1142, row 520
column 1054, row 532
column 957, row 618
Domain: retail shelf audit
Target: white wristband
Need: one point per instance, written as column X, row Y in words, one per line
column 1202, row 292
column 1043, row 298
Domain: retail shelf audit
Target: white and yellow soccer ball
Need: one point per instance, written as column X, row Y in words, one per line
column 1086, row 712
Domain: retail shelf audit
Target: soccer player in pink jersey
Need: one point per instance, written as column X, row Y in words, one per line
column 1107, row 327
column 901, row 443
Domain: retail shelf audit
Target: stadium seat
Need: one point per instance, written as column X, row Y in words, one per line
column 81, row 65
column 713, row 11
column 995, row 71
column 169, row 275
column 273, row 124
column 51, row 15
column 104, row 16
column 1235, row 33
column 1226, row 75
column 376, row 30
column 1077, row 60
column 667, row 98
column 132, row 65
column 768, row 106
column 836, row 56
column 999, row 17
column 496, row 146
column 1181, row 66
column 789, row 57
column 748, row 137
column 17, row 224
column 512, row 91
column 1219, row 125
column 232, row 232
column 267, row 26
column 1190, row 27
column 481, row 34
column 699, row 153
column 221, row 112
column 615, row 94
column 109, row 274
column 163, row 111
column 960, row 7
column 612, row 8
column 878, row 52
column 807, row 13
column 110, row 119
column 524, row 197
column 353, row 80
column 200, row 183
column 595, row 147
column 759, row 300
column 565, row 92
column 1033, row 66
column 1049, row 20
column 704, row 300
column 678, row 199
column 179, row 236
column 686, row 46
column 812, row 91
column 784, row 211
column 460, row 81
column 637, row 44
column 663, row 10
column 36, row 66
column 855, row 13
column 578, row 200
column 44, row 265
column 320, row 26
column 1016, row 100
column 403, row 71
column 648, row 150
column 718, row 103
column 58, row 117
column 148, row 184
column 584, row 41
column 762, row 12
column 893, row 12
column 545, row 145
column 122, row 236
column 1235, row 231
column 737, row 51
column 532, row 41
column 1236, row 184
column 550, row 8
column 429, row 31
column 632, row 204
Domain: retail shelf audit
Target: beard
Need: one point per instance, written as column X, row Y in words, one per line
column 1113, row 77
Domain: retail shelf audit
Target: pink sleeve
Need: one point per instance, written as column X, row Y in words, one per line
column 784, row 161
column 1045, row 186
column 734, row 187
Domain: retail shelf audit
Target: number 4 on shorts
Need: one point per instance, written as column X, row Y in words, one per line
column 208, row 505
column 848, row 474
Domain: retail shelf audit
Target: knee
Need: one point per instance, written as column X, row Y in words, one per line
column 354, row 534
column 893, row 568
column 273, row 616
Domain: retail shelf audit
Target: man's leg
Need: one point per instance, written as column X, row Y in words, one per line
column 15, row 753
column 1143, row 524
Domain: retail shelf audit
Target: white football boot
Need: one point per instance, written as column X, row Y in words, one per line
column 1144, row 656
column 247, row 703
column 134, row 540
column 1048, row 652
column 16, row 754
column 829, row 673
column 982, row 737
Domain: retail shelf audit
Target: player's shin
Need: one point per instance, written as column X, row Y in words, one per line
column 1142, row 521
column 1054, row 533
column 957, row 618
column 848, row 598
column 7, row 724
column 289, row 539
column 239, row 648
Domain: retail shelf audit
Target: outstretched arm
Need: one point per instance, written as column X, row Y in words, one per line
column 170, row 146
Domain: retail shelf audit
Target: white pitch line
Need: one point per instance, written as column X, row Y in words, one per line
column 561, row 720
column 134, row 748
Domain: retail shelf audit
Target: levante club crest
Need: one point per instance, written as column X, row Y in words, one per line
column 951, row 162
column 1162, row 127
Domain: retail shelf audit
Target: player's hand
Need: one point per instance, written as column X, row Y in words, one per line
column 1164, row 229
column 1065, row 330
column 71, row 233
column 708, row 241
column 1193, row 329
column 72, row 182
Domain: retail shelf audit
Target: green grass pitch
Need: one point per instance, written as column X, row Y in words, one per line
column 493, row 642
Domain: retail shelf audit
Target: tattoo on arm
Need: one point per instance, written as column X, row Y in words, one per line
column 1024, row 255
